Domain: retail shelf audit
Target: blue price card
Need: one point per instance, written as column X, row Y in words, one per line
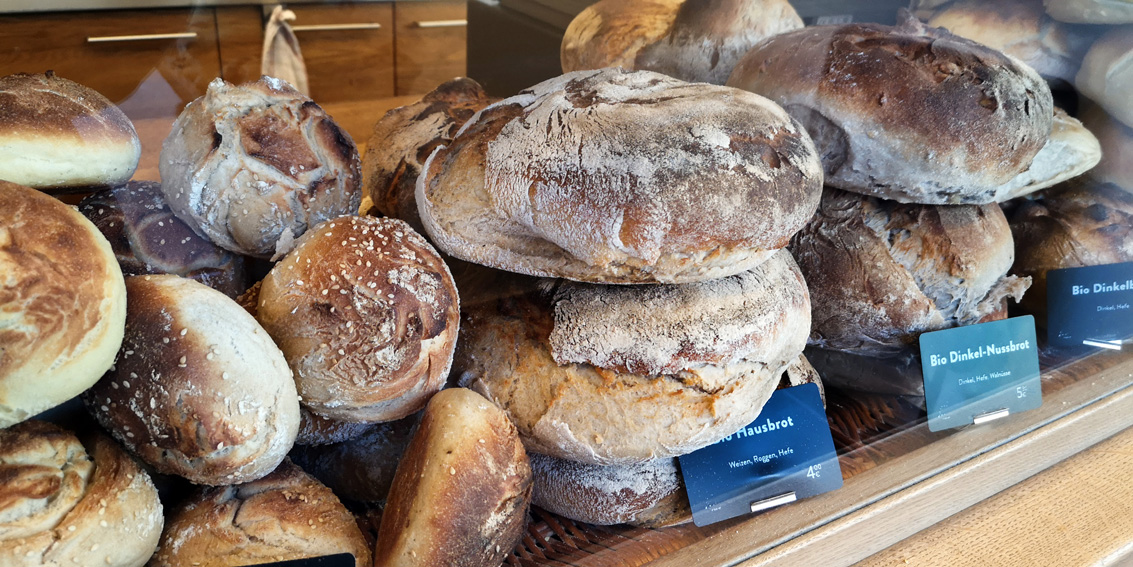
column 1090, row 305
column 980, row 372
column 784, row 455
column 337, row 560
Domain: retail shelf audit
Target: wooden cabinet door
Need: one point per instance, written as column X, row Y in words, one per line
column 431, row 44
column 348, row 50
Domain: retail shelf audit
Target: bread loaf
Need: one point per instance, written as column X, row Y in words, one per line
column 61, row 137
column 1116, row 141
column 907, row 113
column 1106, row 76
column 1091, row 11
column 360, row 468
column 315, row 429
column 62, row 303
column 621, row 177
column 610, row 33
column 1070, row 151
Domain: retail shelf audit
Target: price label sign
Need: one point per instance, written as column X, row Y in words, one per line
column 786, row 454
column 980, row 372
column 1090, row 305
column 337, row 560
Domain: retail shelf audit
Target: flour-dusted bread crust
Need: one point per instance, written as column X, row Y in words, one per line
column 908, row 113
column 1091, row 11
column 1071, row 150
column 610, row 33
column 62, row 303
column 198, row 390
column 403, row 139
column 1106, row 76
column 61, row 137
column 283, row 516
column 367, row 314
column 63, row 503
column 881, row 273
column 621, row 177
column 708, row 37
column 252, row 166
column 1116, row 140
column 461, row 492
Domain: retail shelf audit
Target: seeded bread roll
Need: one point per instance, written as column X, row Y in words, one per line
column 198, row 389
column 283, row 516
column 252, row 166
column 908, row 113
column 65, row 504
column 148, row 239
column 62, row 303
column 1091, row 11
column 361, row 468
column 404, row 138
column 461, row 492
column 1116, row 141
column 61, row 137
column 366, row 313
column 621, row 177
column 881, row 273
column 610, row 33
column 1106, row 76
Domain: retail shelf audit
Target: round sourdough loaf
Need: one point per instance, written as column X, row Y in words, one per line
column 908, row 113
column 199, row 389
column 251, row 166
column 367, row 315
column 1106, row 76
column 618, row 375
column 62, row 303
column 881, row 273
column 65, row 504
column 610, row 33
column 621, row 177
column 59, row 136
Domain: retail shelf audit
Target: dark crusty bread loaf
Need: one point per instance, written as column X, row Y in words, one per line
column 367, row 314
column 283, row 516
column 610, row 33
column 881, row 273
column 908, row 113
column 65, row 504
column 360, row 468
column 198, row 389
column 60, row 136
column 315, row 429
column 403, row 139
column 621, row 177
column 62, row 303
column 461, row 492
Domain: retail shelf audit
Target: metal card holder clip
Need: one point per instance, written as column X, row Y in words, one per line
column 772, row 502
column 990, row 416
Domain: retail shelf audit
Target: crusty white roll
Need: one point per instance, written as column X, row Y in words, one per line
column 610, row 33
column 621, row 177
column 283, row 516
column 366, row 313
column 461, row 492
column 360, row 468
column 252, row 166
column 403, row 139
column 907, row 113
column 198, row 390
column 881, row 273
column 63, row 503
column 60, row 136
column 62, row 303
column 1091, row 11
column 617, row 375
column 1106, row 76
column 1116, row 140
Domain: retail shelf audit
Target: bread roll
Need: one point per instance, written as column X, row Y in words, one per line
column 881, row 273
column 252, row 166
column 673, row 182
column 1116, row 141
column 198, row 390
column 1106, row 76
column 461, row 492
column 61, row 137
column 1070, row 151
column 610, row 33
column 361, row 468
column 315, row 429
column 908, row 113
column 1091, row 11
column 619, row 375
column 62, row 303
column 405, row 137
column 284, row 516
column 366, row 313
column 65, row 504
column 148, row 239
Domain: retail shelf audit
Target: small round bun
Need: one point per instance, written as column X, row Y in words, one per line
column 61, row 137
column 621, row 177
column 367, row 314
column 252, row 166
column 1116, row 141
column 1106, row 76
column 198, row 390
column 610, row 33
column 881, row 273
column 148, row 239
column 62, row 303
column 284, row 516
column 63, row 503
column 1091, row 11
column 907, row 113
column 361, row 468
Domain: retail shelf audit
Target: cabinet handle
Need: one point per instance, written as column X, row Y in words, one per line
column 442, row 24
column 337, row 27
column 143, row 37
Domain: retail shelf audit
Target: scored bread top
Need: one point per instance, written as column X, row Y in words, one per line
column 610, row 33
column 622, row 177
